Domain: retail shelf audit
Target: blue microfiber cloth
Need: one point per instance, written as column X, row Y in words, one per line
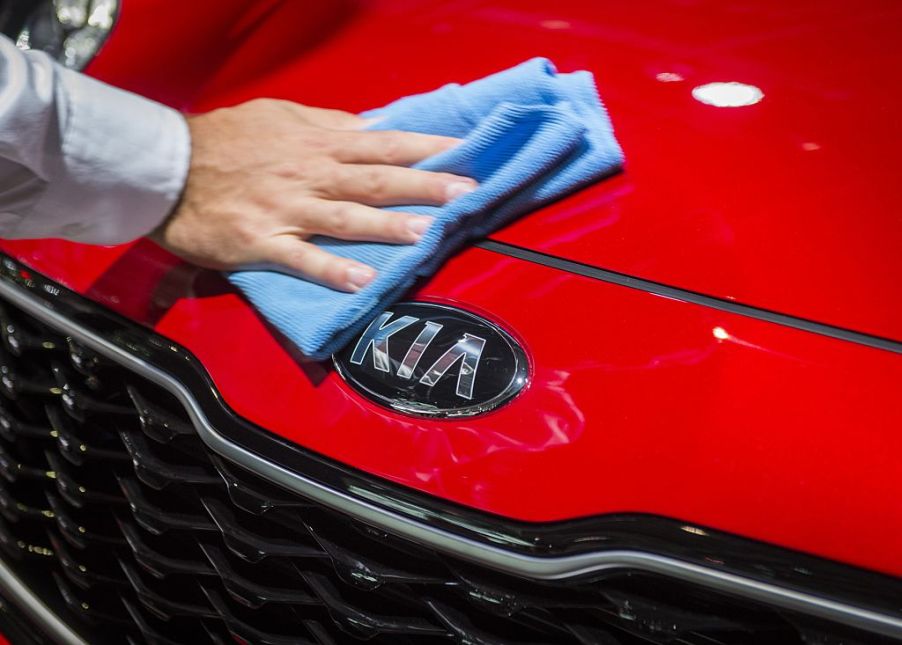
column 530, row 136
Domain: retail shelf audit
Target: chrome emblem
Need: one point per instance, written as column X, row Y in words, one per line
column 434, row 360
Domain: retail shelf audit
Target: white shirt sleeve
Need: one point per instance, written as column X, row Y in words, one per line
column 80, row 159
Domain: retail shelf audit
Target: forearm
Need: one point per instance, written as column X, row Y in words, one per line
column 80, row 159
column 84, row 161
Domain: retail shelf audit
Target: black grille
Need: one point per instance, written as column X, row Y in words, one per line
column 114, row 511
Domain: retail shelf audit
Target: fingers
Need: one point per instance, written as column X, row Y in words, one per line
column 389, row 147
column 381, row 185
column 312, row 263
column 353, row 221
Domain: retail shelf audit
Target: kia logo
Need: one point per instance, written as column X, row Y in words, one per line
column 434, row 360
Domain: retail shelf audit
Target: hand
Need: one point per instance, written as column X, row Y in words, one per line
column 267, row 174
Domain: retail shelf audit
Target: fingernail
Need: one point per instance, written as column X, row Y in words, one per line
column 458, row 188
column 359, row 277
column 418, row 225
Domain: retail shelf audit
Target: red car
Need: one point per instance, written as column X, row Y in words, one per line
column 683, row 424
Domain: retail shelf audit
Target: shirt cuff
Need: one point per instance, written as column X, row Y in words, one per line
column 124, row 166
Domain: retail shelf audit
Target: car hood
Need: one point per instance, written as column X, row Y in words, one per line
column 637, row 402
column 791, row 204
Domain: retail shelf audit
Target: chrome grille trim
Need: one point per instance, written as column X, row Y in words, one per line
column 538, row 568
column 37, row 611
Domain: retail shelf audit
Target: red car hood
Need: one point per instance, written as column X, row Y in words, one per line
column 792, row 204
column 638, row 403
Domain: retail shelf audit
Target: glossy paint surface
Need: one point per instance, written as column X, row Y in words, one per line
column 791, row 204
column 638, row 403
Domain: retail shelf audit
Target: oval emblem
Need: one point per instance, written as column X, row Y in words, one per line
column 434, row 360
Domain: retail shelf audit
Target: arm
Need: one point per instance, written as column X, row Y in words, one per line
column 80, row 159
column 235, row 188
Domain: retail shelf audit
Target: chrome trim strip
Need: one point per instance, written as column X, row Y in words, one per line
column 48, row 622
column 547, row 568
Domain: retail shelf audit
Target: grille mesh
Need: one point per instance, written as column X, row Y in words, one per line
column 113, row 510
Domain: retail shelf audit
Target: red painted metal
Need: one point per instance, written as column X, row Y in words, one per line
column 638, row 403
column 791, row 204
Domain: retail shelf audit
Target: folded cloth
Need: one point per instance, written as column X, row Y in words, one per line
column 530, row 136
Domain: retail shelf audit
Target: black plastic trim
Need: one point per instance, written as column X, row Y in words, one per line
column 705, row 553
column 685, row 295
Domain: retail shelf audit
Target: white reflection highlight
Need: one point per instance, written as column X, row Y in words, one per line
column 669, row 77
column 102, row 14
column 730, row 94
column 71, row 13
column 722, row 334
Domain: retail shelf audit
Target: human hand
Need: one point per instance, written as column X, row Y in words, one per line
column 268, row 174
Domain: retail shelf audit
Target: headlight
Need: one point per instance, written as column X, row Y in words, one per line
column 71, row 31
